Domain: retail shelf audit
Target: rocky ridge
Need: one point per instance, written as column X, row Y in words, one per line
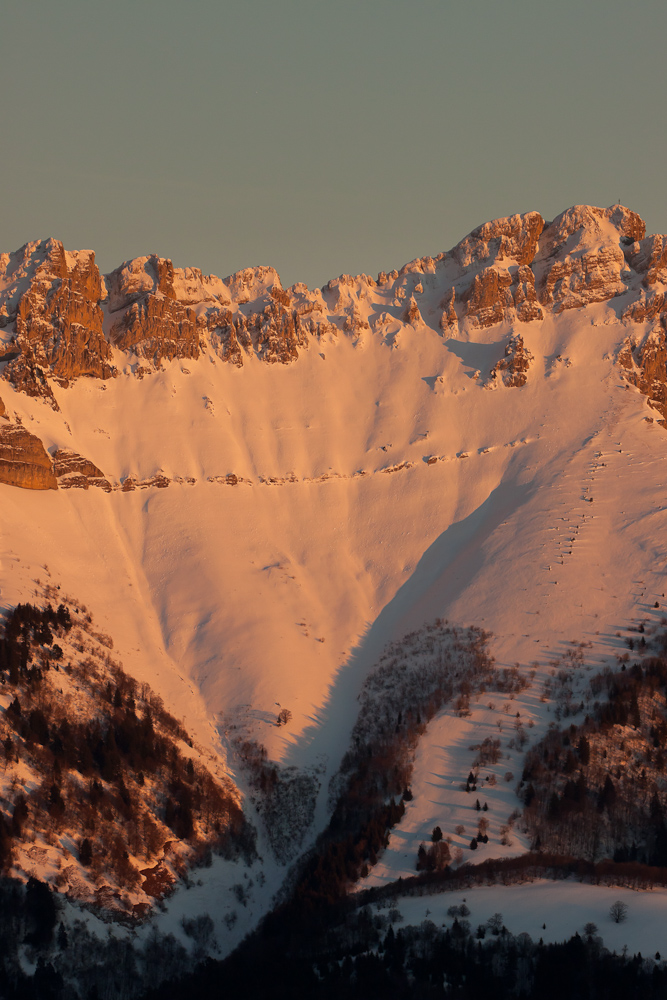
column 50, row 300
column 62, row 320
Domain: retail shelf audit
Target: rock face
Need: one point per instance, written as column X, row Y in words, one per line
column 525, row 297
column 488, row 297
column 581, row 259
column 272, row 329
column 514, row 239
column 151, row 321
column 512, row 369
column 23, row 460
column 165, row 313
column 60, row 320
column 499, row 283
column 158, row 328
column 524, row 264
column 74, row 471
column 52, row 299
column 29, row 378
column 645, row 366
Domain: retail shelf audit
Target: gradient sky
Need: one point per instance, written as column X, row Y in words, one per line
column 321, row 138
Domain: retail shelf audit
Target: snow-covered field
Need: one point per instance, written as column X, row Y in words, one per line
column 555, row 911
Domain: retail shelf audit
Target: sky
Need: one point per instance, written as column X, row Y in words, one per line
column 321, row 138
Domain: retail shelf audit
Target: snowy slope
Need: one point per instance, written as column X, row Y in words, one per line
column 384, row 481
column 229, row 588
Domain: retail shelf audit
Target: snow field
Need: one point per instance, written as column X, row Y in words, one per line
column 564, row 906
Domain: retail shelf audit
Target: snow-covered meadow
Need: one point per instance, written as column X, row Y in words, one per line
column 554, row 912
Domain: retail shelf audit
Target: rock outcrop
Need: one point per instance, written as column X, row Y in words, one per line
column 488, row 297
column 514, row 239
column 166, row 313
column 73, row 471
column 525, row 297
column 55, row 307
column 515, row 267
column 273, row 332
column 52, row 299
column 23, row 460
column 501, row 285
column 581, row 259
column 645, row 366
column 158, row 328
column 648, row 257
column 512, row 369
column 152, row 321
column 31, row 379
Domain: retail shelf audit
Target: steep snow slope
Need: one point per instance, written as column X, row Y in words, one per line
column 220, row 593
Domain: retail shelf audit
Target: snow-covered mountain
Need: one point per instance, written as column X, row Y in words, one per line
column 255, row 489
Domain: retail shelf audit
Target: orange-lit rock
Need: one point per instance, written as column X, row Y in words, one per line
column 158, row 327
column 58, row 318
column 488, row 297
column 580, row 259
column 524, row 295
column 23, row 460
column 645, row 366
column 513, row 368
column 514, row 238
column 648, row 257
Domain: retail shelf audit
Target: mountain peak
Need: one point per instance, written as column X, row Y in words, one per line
column 63, row 320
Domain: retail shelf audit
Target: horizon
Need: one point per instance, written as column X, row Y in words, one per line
column 224, row 138
column 224, row 276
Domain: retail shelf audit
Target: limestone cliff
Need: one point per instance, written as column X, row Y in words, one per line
column 645, row 366
column 23, row 460
column 272, row 328
column 51, row 299
column 149, row 319
column 581, row 259
column 74, row 471
column 60, row 320
column 514, row 239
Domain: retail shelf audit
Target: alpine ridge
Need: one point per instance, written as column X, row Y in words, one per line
column 62, row 320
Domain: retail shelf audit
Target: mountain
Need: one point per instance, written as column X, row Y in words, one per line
column 256, row 491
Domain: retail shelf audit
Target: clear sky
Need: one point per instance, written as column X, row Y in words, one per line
column 318, row 137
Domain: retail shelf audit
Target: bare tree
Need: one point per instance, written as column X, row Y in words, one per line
column 284, row 716
column 618, row 912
